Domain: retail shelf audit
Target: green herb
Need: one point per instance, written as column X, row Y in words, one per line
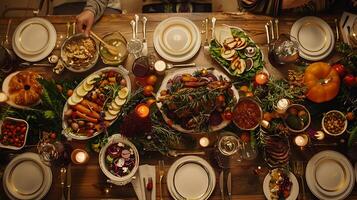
column 275, row 90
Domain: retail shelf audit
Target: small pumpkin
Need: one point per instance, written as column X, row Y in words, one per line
column 322, row 82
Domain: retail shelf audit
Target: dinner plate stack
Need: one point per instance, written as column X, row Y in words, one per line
column 191, row 177
column 330, row 175
column 34, row 39
column 26, row 177
column 315, row 37
column 177, row 39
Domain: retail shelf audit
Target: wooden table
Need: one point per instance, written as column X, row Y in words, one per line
column 88, row 181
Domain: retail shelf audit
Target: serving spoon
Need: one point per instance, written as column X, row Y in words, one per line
column 111, row 49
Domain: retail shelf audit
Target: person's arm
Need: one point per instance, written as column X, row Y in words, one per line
column 97, row 7
column 288, row 4
column 91, row 13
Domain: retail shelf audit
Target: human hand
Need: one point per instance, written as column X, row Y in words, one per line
column 85, row 21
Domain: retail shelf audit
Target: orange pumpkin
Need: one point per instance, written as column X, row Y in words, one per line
column 322, row 82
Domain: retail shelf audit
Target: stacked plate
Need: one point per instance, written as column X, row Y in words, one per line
column 177, row 39
column 34, row 39
column 20, row 184
column 191, row 177
column 330, row 175
column 315, row 37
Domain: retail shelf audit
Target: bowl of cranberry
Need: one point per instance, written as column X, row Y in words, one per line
column 13, row 133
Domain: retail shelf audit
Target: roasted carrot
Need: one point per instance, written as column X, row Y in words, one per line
column 91, row 105
column 84, row 116
column 91, row 113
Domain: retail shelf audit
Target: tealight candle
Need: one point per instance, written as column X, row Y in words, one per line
column 319, row 135
column 282, row 105
column 79, row 156
column 142, row 110
column 261, row 78
column 301, row 140
column 160, row 67
column 204, row 142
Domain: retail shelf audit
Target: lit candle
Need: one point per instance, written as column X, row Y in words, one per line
column 282, row 105
column 319, row 135
column 301, row 140
column 261, row 78
column 204, row 142
column 79, row 156
column 160, row 67
column 142, row 110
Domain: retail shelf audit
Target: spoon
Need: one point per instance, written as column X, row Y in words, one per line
column 111, row 49
column 174, row 153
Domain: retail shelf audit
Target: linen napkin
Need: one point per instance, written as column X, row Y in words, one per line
column 349, row 23
column 144, row 171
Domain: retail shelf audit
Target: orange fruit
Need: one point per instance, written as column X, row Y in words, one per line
column 244, row 88
column 150, row 101
column 267, row 116
column 148, row 90
column 151, row 80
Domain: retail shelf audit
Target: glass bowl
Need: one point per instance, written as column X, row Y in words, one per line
column 115, row 39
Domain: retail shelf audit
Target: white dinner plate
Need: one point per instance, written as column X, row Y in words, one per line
column 191, row 70
column 294, row 189
column 191, row 177
column 191, row 50
column 177, row 37
column 331, row 176
column 315, row 37
column 34, row 39
column 20, row 184
column 312, row 169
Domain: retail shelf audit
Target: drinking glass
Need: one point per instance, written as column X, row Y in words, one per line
column 228, row 149
column 141, row 67
column 285, row 49
column 135, row 47
column 48, row 151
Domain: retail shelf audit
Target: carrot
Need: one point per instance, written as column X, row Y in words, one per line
column 84, row 110
column 84, row 116
column 91, row 105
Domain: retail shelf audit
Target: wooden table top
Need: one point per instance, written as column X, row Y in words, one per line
column 88, row 181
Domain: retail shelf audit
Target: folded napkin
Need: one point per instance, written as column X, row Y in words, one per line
column 349, row 23
column 144, row 171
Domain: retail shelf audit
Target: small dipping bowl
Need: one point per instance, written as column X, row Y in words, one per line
column 115, row 39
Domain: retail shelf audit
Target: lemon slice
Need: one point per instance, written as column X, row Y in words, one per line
column 75, row 99
column 3, row 97
column 87, row 87
column 91, row 79
column 108, row 116
column 119, row 101
column 80, row 91
column 113, row 112
column 123, row 93
column 114, row 106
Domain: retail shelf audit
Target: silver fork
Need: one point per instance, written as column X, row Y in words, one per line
column 206, row 43
column 63, row 178
column 161, row 174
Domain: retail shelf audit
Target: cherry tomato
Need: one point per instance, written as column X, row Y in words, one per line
column 341, row 70
column 148, row 90
column 53, row 136
column 349, row 80
column 151, row 80
column 228, row 115
column 69, row 93
column 150, row 101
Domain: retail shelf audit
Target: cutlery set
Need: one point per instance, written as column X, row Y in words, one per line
column 272, row 31
column 66, row 181
column 136, row 46
column 225, row 187
column 148, row 187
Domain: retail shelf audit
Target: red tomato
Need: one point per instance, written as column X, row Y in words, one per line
column 341, row 70
column 53, row 136
column 228, row 115
column 349, row 80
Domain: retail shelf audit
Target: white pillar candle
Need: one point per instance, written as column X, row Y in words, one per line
column 204, row 142
column 301, row 140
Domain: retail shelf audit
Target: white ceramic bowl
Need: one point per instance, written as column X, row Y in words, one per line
column 323, row 125
column 116, row 138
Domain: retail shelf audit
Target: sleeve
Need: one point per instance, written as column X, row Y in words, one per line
column 97, row 7
column 267, row 7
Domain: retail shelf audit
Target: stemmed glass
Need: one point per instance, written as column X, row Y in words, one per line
column 134, row 45
column 228, row 149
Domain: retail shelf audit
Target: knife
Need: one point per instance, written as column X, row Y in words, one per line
column 229, row 185
column 221, row 184
column 63, row 179
column 69, row 180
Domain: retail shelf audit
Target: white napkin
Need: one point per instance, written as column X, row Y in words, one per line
column 145, row 171
column 349, row 22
